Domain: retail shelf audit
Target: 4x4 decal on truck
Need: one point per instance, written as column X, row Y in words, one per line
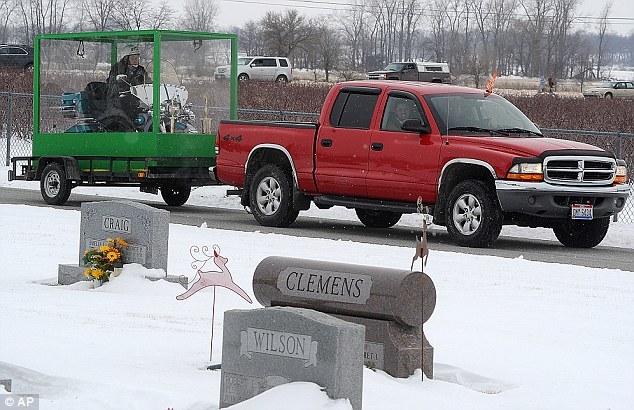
column 228, row 137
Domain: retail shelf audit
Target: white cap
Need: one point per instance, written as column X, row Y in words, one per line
column 129, row 50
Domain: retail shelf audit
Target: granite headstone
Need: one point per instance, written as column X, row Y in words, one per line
column 146, row 229
column 388, row 302
column 263, row 348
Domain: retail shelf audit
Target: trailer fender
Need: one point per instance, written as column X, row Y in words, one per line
column 69, row 164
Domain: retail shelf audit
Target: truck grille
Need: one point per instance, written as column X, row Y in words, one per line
column 579, row 170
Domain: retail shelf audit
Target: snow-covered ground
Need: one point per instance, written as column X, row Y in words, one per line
column 507, row 333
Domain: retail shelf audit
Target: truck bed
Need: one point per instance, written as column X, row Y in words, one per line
column 237, row 139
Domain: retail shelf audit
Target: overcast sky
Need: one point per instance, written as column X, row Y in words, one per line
column 237, row 12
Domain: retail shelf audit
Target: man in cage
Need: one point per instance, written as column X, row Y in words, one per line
column 123, row 107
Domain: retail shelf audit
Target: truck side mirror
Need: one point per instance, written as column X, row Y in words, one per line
column 414, row 124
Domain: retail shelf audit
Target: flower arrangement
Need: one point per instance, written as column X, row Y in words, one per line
column 101, row 261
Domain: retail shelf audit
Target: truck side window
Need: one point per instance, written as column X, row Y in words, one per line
column 353, row 110
column 397, row 110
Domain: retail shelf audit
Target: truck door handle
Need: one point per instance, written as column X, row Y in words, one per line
column 377, row 146
column 326, row 143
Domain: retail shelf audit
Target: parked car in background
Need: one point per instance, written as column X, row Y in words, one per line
column 259, row 68
column 410, row 71
column 611, row 89
column 16, row 56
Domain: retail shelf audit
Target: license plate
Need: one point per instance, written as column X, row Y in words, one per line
column 580, row 211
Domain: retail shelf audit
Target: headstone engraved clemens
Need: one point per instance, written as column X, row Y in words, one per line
column 146, row 229
column 263, row 348
column 386, row 301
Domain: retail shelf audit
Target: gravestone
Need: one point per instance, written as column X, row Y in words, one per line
column 263, row 348
column 146, row 229
column 7, row 384
column 388, row 302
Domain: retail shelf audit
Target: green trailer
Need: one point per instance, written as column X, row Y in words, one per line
column 96, row 122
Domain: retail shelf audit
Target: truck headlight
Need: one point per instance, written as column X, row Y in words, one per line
column 526, row 171
column 621, row 174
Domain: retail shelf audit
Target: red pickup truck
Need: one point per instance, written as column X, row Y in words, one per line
column 473, row 157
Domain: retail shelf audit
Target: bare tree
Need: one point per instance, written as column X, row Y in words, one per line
column 200, row 15
column 99, row 13
column 536, row 13
column 352, row 24
column 251, row 39
column 502, row 16
column 142, row 15
column 42, row 17
column 6, row 10
column 603, row 28
column 328, row 47
column 439, row 30
column 285, row 33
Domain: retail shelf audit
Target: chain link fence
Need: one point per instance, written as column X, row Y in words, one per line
column 16, row 125
column 16, row 135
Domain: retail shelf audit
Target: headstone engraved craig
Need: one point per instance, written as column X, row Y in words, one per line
column 263, row 348
column 146, row 229
column 386, row 301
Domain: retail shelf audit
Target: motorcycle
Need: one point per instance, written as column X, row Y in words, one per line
column 99, row 109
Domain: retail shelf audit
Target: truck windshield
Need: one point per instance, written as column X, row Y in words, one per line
column 477, row 113
column 394, row 67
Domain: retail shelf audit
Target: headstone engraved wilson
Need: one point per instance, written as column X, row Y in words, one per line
column 264, row 348
column 386, row 301
column 146, row 229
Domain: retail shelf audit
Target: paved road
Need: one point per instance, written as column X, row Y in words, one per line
column 220, row 218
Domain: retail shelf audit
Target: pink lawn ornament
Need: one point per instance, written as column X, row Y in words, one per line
column 213, row 278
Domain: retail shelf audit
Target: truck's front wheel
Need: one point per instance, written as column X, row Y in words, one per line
column 582, row 234
column 176, row 194
column 378, row 219
column 54, row 186
column 474, row 216
column 271, row 197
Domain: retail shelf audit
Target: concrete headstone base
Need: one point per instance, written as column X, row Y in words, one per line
column 67, row 274
column 393, row 347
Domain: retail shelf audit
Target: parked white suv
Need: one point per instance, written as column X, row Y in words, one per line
column 259, row 68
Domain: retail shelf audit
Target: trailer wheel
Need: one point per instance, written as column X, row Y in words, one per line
column 176, row 194
column 474, row 216
column 271, row 198
column 378, row 219
column 54, row 186
column 582, row 234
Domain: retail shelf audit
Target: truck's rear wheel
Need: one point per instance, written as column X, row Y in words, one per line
column 54, row 186
column 176, row 194
column 474, row 216
column 271, row 197
column 582, row 234
column 378, row 219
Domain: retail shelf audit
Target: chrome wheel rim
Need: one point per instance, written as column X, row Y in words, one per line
column 467, row 214
column 51, row 184
column 268, row 196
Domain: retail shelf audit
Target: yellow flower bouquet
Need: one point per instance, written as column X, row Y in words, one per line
column 102, row 260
